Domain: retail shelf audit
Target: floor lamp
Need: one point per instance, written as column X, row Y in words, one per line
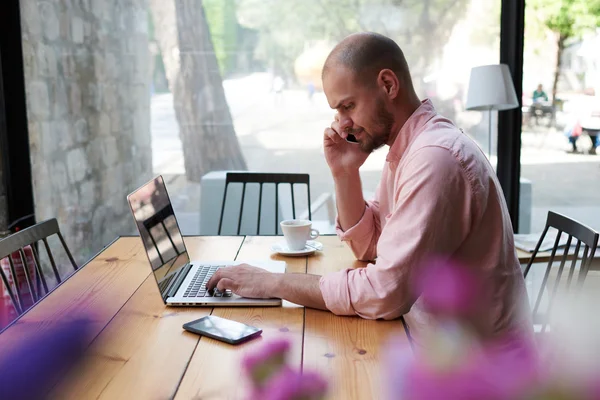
column 491, row 88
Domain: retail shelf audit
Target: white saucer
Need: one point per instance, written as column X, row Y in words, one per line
column 311, row 247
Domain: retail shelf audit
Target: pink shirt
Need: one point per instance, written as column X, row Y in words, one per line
column 438, row 195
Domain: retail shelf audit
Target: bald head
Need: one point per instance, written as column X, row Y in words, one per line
column 366, row 80
column 367, row 53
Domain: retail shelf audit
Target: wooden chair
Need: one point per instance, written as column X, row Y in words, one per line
column 17, row 243
column 583, row 235
column 262, row 179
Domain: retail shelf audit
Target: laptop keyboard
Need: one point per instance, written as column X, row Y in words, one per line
column 197, row 287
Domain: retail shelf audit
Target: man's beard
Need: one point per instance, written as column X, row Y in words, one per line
column 374, row 140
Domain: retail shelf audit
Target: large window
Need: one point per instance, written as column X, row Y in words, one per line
column 270, row 56
column 560, row 167
column 118, row 92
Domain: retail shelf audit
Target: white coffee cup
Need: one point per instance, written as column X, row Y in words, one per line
column 297, row 232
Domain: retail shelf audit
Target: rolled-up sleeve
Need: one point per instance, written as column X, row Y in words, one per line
column 431, row 217
column 362, row 237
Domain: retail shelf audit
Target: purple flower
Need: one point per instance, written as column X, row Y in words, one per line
column 462, row 359
column 292, row 385
column 33, row 366
column 266, row 362
column 501, row 371
column 273, row 379
column 450, row 289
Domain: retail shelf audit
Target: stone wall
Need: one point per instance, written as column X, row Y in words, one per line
column 88, row 103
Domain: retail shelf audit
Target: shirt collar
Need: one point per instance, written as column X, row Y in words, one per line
column 410, row 130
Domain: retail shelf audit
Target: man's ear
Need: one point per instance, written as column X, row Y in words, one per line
column 389, row 82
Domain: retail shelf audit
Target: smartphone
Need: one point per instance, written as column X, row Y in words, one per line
column 222, row 329
column 351, row 139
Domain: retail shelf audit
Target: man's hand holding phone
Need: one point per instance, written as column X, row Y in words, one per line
column 341, row 155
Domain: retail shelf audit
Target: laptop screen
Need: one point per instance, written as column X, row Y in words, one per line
column 159, row 231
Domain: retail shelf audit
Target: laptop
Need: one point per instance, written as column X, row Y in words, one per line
column 181, row 282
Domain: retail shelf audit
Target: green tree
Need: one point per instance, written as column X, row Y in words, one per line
column 223, row 26
column 421, row 27
column 567, row 19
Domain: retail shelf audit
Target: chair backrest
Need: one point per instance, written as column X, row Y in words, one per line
column 575, row 231
column 261, row 179
column 18, row 242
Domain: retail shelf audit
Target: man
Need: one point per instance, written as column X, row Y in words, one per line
column 540, row 106
column 539, row 94
column 438, row 196
column 585, row 120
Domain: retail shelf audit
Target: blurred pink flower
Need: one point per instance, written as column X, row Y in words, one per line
column 450, row 289
column 266, row 362
column 273, row 379
column 459, row 359
column 293, row 385
column 501, row 371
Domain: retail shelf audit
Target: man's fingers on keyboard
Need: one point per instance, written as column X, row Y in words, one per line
column 212, row 282
column 225, row 284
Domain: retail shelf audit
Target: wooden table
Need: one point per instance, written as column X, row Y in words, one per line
column 544, row 257
column 525, row 256
column 139, row 349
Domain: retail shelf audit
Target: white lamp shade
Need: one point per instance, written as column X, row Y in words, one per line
column 491, row 88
